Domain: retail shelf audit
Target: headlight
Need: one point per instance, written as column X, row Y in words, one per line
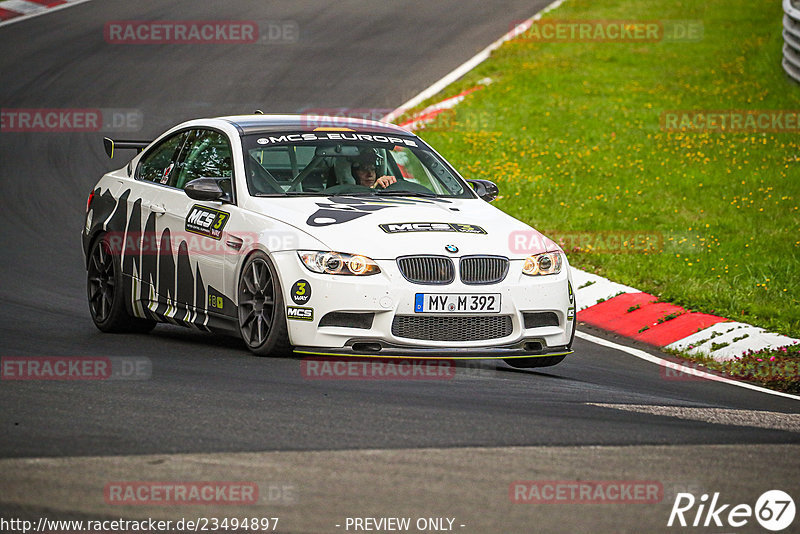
column 338, row 263
column 542, row 264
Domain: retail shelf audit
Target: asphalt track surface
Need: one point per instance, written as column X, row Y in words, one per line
column 207, row 394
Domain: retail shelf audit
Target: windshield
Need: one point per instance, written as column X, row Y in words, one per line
column 336, row 163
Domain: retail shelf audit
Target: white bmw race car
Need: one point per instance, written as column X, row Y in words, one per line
column 355, row 239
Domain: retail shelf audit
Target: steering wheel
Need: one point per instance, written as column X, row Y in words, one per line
column 346, row 188
column 407, row 185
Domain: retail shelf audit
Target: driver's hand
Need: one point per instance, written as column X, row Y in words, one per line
column 384, row 182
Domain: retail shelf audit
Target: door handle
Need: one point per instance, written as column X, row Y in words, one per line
column 158, row 209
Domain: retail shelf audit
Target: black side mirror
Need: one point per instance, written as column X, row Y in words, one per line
column 204, row 189
column 485, row 189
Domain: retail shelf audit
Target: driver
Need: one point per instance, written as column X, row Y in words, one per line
column 364, row 171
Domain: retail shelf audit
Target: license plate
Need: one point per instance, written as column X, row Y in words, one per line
column 456, row 303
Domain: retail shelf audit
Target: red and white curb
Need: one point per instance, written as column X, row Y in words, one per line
column 17, row 10
column 430, row 113
column 602, row 303
column 631, row 313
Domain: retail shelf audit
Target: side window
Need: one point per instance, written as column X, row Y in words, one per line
column 158, row 165
column 208, row 154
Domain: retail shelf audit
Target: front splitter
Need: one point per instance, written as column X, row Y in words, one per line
column 399, row 351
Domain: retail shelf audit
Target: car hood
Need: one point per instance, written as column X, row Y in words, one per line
column 385, row 228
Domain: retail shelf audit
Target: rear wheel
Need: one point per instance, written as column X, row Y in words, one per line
column 262, row 322
column 105, row 293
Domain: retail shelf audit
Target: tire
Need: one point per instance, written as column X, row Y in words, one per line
column 104, row 289
column 528, row 363
column 262, row 322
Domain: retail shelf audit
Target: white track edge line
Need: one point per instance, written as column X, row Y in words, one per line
column 672, row 365
column 44, row 11
column 465, row 67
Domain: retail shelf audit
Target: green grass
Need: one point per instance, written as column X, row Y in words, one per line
column 570, row 132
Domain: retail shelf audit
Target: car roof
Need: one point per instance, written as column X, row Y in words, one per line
column 251, row 124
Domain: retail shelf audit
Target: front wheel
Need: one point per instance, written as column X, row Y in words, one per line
column 262, row 323
column 104, row 289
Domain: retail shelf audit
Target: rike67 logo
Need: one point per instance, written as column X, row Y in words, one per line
column 774, row 510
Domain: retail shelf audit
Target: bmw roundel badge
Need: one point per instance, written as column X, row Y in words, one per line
column 451, row 248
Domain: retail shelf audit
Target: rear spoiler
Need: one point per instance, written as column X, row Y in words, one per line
column 110, row 145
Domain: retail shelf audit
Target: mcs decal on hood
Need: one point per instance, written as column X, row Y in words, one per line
column 397, row 228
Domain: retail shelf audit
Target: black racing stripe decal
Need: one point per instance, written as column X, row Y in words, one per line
column 133, row 237
column 185, row 289
column 342, row 209
column 130, row 260
column 149, row 263
column 102, row 207
column 166, row 273
column 119, row 219
column 201, row 302
column 327, row 217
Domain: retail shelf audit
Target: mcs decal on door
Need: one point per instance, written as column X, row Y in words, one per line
column 206, row 221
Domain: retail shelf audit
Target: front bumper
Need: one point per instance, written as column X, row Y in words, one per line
column 388, row 296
